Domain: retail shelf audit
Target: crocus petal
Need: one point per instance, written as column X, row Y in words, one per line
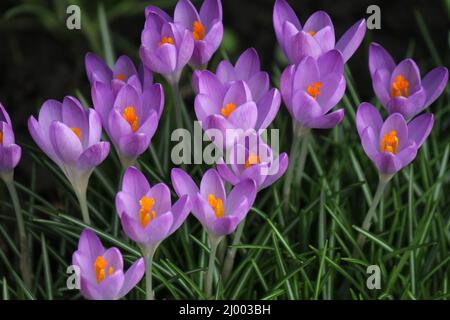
column 126, row 203
column 317, row 21
column 387, row 163
column 330, row 62
column 370, row 141
column 185, row 50
column 153, row 99
column 225, row 72
column 135, row 183
column 332, row 91
column 351, row 39
column 410, row 71
column 227, row 174
column 420, row 127
column 244, row 116
column 379, row 58
column 183, row 183
column 157, row 11
column 132, row 277
column 306, row 74
column 396, row 122
column 158, row 229
column 125, row 67
column 238, row 93
column 408, row 107
column 134, row 145
column 7, row 134
column 212, row 184
column 150, row 125
column 180, row 211
column 95, row 127
column 127, row 96
column 133, row 229
column 65, row 143
column 407, row 155
column 50, row 111
column 119, row 126
column 380, row 83
column 286, row 86
column 103, row 100
column 4, row 116
column 161, row 194
column 259, row 85
column 95, row 65
column 41, row 139
column 210, row 11
column 224, row 226
column 247, row 65
column 302, row 45
column 277, row 168
column 9, row 156
column 282, row 12
column 368, row 116
column 434, row 83
column 90, row 245
column 93, row 156
column 268, row 108
column 326, row 121
column 305, row 107
column 245, row 190
column 325, row 39
column 110, row 287
column 185, row 13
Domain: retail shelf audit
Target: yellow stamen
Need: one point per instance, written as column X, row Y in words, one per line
column 400, row 87
column 229, row 108
column 1, row 137
column 313, row 90
column 217, row 205
column 198, row 31
column 146, row 214
column 99, row 268
column 251, row 160
column 131, row 117
column 110, row 271
column 120, row 77
column 165, row 40
column 389, row 143
column 312, row 33
column 77, row 132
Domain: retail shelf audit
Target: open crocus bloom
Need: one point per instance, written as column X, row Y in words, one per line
column 316, row 37
column 101, row 270
column 124, row 72
column 312, row 88
column 206, row 27
column 218, row 212
column 166, row 47
column 254, row 160
column 131, row 118
column 10, row 152
column 231, row 106
column 70, row 136
column 146, row 212
column 391, row 145
column 399, row 87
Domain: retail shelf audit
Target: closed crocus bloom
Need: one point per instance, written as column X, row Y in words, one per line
column 10, row 152
column 254, row 160
column 206, row 27
column 316, row 37
column 131, row 118
column 166, row 47
column 391, row 144
column 312, row 88
column 70, row 136
column 123, row 72
column 101, row 270
column 218, row 212
column 400, row 87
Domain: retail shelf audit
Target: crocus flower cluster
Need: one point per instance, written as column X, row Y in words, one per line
column 101, row 274
column 129, row 104
column 10, row 152
column 167, row 44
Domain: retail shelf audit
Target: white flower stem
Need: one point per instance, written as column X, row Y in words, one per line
column 214, row 243
column 25, row 256
column 231, row 253
column 177, row 103
column 82, row 200
column 382, row 183
column 148, row 253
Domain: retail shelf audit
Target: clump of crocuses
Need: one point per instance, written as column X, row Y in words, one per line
column 399, row 88
column 148, row 216
column 101, row 271
column 70, row 136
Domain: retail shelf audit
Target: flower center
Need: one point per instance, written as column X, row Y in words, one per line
column 77, row 132
column 389, row 143
column 312, row 33
column 400, row 87
column 120, row 77
column 99, row 269
column 130, row 116
column 146, row 214
column 251, row 160
column 217, row 205
column 165, row 40
column 198, row 31
column 1, row 137
column 313, row 90
column 227, row 110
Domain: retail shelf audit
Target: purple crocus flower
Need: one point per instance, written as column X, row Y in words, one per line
column 10, row 153
column 101, row 270
column 391, row 144
column 206, row 27
column 218, row 212
column 399, row 87
column 124, row 72
column 166, row 47
column 312, row 88
column 146, row 212
column 316, row 37
column 252, row 159
column 131, row 118
column 236, row 98
column 70, row 136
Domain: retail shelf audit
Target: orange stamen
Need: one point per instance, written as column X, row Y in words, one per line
column 217, row 205
column 251, row 160
column 1, row 137
column 99, row 269
column 313, row 90
column 168, row 40
column 389, row 143
column 130, row 116
column 229, row 108
column 120, row 77
column 198, row 31
column 146, row 214
column 77, row 132
column 312, row 33
column 400, row 87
